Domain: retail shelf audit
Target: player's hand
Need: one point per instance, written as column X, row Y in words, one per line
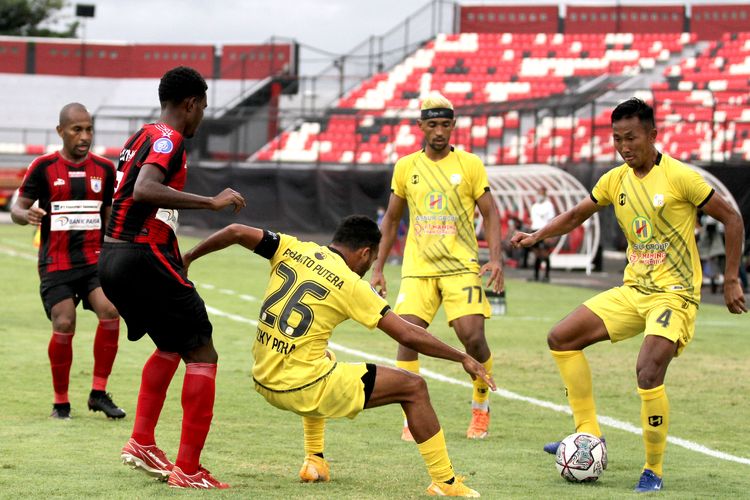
column 476, row 369
column 34, row 215
column 377, row 281
column 496, row 280
column 734, row 297
column 521, row 239
column 226, row 198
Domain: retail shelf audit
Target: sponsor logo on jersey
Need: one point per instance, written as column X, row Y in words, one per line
column 435, row 202
column 456, row 179
column 59, row 182
column 641, row 227
column 163, row 145
column 320, row 255
column 621, row 199
column 75, row 222
column 415, row 179
column 76, row 174
column 658, row 200
column 96, row 184
column 75, row 206
column 168, row 216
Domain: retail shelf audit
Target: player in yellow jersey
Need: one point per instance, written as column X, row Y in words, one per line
column 655, row 199
column 312, row 289
column 442, row 186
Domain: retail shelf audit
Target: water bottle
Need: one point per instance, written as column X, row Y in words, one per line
column 498, row 306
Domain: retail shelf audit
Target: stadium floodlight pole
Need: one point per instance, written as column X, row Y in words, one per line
column 84, row 11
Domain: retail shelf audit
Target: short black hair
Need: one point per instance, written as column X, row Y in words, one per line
column 635, row 107
column 181, row 83
column 357, row 231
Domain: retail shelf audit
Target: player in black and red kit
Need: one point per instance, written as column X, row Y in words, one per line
column 142, row 273
column 73, row 188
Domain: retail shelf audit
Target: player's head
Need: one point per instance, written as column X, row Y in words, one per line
column 184, row 89
column 359, row 236
column 76, row 129
column 437, row 121
column 634, row 132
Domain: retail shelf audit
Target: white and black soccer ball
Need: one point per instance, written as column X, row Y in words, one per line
column 581, row 458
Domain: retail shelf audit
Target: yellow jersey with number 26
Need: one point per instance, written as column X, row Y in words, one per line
column 311, row 291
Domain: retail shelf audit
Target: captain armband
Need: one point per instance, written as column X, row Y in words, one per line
column 268, row 244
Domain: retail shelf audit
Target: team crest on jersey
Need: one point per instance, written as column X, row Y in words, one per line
column 415, row 179
column 96, row 184
column 658, row 200
column 163, row 145
column 642, row 229
column 621, row 199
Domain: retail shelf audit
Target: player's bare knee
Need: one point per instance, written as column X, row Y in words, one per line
column 202, row 354
column 415, row 386
column 64, row 324
column 649, row 376
column 554, row 340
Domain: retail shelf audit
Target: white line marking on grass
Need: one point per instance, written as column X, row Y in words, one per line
column 226, row 291
column 608, row 421
column 20, row 255
column 233, row 317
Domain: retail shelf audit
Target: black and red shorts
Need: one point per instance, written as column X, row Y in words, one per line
column 74, row 284
column 148, row 286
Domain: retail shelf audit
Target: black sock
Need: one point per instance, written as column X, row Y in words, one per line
column 537, row 265
column 95, row 393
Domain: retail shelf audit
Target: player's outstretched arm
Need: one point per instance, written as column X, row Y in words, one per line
column 389, row 230
column 234, row 234
column 488, row 209
column 149, row 189
column 734, row 235
column 562, row 224
column 417, row 338
column 24, row 212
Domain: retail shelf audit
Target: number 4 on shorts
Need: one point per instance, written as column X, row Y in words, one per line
column 664, row 318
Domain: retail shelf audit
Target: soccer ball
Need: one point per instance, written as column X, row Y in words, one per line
column 581, row 458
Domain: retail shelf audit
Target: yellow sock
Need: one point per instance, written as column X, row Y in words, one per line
column 410, row 366
column 576, row 375
column 314, row 430
column 435, row 455
column 655, row 422
column 481, row 393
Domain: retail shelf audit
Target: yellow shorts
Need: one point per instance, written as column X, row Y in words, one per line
column 340, row 394
column 460, row 294
column 627, row 312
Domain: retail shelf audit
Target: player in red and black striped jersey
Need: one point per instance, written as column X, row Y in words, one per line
column 73, row 191
column 142, row 273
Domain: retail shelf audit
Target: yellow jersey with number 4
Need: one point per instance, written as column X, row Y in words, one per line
column 441, row 197
column 311, row 291
column 657, row 214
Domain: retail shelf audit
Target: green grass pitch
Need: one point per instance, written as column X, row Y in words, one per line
column 258, row 449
